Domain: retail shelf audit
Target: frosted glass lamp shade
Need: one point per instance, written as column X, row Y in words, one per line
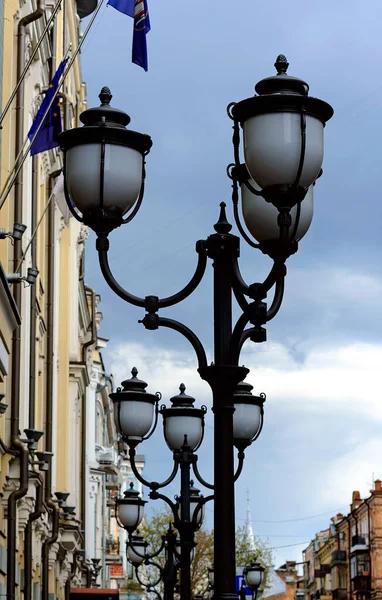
column 178, row 425
column 272, row 148
column 261, row 217
column 182, row 423
column 133, row 418
column 122, row 177
column 136, row 549
column 253, row 576
column 246, row 421
column 248, row 416
column 130, row 510
column 134, row 409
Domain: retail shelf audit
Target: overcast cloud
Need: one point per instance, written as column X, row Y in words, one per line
column 320, row 367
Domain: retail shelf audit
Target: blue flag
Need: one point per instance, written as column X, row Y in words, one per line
column 141, row 28
column 47, row 136
column 138, row 10
column 124, row 6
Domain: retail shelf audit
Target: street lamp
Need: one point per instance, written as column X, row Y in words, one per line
column 283, row 151
column 183, row 428
column 130, row 509
column 253, row 577
column 137, row 554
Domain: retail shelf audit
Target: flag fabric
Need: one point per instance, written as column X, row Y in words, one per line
column 124, row 6
column 138, row 10
column 141, row 28
column 47, row 136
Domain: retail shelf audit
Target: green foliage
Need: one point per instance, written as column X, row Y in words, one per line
column 156, row 527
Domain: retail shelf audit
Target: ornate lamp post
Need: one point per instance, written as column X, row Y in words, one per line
column 136, row 416
column 136, row 552
column 283, row 152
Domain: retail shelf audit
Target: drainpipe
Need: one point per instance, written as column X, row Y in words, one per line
column 348, row 558
column 49, row 391
column 369, row 530
column 39, row 509
column 72, row 575
column 16, row 444
column 33, row 300
column 93, row 339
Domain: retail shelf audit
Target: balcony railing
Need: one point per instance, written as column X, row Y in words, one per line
column 361, row 583
column 338, row 558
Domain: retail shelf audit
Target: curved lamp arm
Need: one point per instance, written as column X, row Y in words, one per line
column 201, row 249
column 153, row 321
column 240, row 464
column 152, row 485
column 236, row 344
column 277, row 299
column 102, row 246
column 259, row 291
column 154, row 495
column 198, row 475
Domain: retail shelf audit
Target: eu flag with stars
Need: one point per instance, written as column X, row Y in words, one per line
column 46, row 138
column 139, row 11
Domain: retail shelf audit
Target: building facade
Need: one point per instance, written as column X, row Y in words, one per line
column 59, row 469
column 344, row 562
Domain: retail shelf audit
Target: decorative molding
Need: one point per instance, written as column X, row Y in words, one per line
column 54, row 548
column 78, row 372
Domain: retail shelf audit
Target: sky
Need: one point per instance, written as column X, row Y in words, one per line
column 320, row 366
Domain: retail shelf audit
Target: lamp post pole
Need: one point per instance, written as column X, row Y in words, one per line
column 283, row 128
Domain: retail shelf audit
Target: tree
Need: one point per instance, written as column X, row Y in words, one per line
column 155, row 527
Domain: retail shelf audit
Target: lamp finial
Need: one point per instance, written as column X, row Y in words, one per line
column 281, row 64
column 105, row 96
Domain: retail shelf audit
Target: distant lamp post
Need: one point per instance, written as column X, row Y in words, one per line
column 130, row 509
column 137, row 554
column 253, row 577
column 104, row 175
column 136, row 415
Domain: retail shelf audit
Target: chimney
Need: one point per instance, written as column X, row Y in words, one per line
column 377, row 491
column 356, row 500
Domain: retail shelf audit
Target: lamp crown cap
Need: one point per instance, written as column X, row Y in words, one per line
column 182, row 399
column 134, row 384
column 282, row 83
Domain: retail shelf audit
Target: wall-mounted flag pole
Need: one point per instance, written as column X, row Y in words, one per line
column 138, row 10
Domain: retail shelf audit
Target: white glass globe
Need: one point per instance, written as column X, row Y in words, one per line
column 130, row 515
column 261, row 217
column 133, row 557
column 246, row 421
column 122, row 176
column 253, row 578
column 133, row 418
column 177, row 426
column 272, row 148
